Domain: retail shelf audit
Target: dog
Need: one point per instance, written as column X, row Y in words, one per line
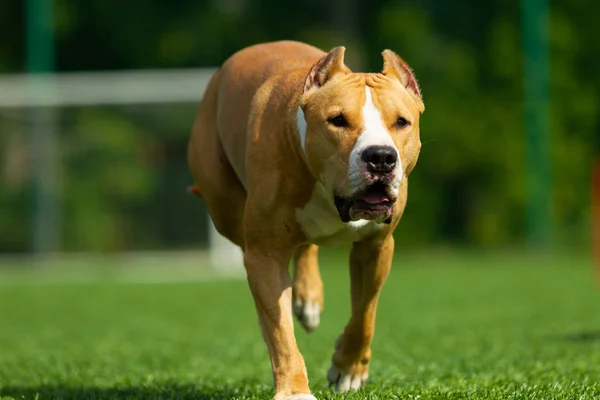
column 291, row 150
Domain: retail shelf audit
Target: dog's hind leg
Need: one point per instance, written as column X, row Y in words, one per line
column 214, row 179
column 307, row 287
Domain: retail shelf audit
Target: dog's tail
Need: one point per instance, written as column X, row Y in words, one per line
column 195, row 190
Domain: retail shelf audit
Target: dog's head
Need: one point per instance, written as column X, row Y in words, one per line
column 360, row 132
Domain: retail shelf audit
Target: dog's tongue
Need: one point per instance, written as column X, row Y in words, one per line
column 375, row 198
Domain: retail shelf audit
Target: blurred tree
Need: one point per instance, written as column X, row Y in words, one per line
column 12, row 54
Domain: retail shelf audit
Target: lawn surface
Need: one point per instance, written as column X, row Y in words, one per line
column 449, row 326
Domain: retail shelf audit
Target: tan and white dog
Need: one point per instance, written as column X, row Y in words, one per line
column 291, row 150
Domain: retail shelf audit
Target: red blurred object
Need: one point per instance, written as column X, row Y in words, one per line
column 596, row 214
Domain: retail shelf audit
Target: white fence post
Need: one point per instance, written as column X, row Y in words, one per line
column 224, row 256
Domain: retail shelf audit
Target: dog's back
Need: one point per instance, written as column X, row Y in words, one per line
column 241, row 77
column 217, row 150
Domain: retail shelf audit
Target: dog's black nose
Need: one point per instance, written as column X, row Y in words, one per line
column 380, row 159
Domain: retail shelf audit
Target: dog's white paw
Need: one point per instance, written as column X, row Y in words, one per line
column 301, row 397
column 308, row 313
column 343, row 381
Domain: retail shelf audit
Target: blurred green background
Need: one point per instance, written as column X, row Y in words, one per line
column 478, row 184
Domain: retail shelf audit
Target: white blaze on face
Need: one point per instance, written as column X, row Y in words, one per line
column 374, row 134
column 301, row 125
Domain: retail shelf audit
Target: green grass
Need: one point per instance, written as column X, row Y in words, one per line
column 449, row 326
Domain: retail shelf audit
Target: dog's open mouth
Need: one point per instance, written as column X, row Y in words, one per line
column 373, row 203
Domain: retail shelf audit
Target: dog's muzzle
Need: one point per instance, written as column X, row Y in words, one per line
column 375, row 174
column 374, row 203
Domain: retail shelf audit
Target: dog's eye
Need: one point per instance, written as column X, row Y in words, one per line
column 402, row 122
column 338, row 121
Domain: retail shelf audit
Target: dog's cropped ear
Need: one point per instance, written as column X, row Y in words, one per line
column 393, row 65
column 331, row 64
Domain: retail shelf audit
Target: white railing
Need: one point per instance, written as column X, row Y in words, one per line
column 102, row 88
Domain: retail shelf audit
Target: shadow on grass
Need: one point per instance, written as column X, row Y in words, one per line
column 582, row 337
column 158, row 392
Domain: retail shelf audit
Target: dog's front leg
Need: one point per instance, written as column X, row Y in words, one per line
column 271, row 287
column 370, row 263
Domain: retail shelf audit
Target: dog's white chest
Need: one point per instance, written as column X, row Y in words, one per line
column 321, row 223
